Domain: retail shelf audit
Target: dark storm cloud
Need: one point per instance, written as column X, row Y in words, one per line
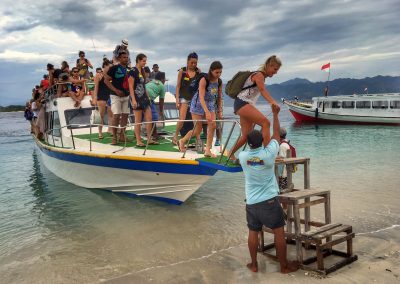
column 15, row 27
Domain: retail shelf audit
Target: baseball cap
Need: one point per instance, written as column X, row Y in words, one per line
column 254, row 139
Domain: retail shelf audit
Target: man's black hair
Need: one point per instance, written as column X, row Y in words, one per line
column 254, row 139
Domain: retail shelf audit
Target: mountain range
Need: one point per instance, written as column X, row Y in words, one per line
column 305, row 89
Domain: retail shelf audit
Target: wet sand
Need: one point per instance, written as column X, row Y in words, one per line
column 375, row 219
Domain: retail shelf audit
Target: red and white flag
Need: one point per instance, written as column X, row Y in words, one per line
column 326, row 66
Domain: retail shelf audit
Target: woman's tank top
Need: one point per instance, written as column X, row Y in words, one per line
column 103, row 94
column 250, row 95
column 184, row 91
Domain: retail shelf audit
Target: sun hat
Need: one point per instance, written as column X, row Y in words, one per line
column 125, row 42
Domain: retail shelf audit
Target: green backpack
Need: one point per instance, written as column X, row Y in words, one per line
column 235, row 85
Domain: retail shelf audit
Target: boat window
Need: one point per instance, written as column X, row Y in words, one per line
column 363, row 104
column 395, row 104
column 78, row 118
column 336, row 104
column 320, row 104
column 170, row 111
column 348, row 104
column 56, row 124
column 380, row 104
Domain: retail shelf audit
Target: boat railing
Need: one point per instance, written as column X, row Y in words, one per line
column 50, row 134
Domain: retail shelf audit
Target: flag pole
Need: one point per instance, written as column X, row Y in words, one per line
column 325, row 66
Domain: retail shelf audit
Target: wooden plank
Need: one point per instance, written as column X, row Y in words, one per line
column 292, row 161
column 314, row 202
column 332, row 232
column 319, row 230
column 297, row 232
column 299, row 194
column 307, row 184
column 337, row 241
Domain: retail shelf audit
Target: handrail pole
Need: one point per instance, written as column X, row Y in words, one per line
column 230, row 155
column 148, row 139
column 90, row 137
column 72, row 136
column 52, row 137
column 227, row 140
column 62, row 143
column 187, row 143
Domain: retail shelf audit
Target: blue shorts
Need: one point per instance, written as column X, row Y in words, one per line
column 238, row 104
column 154, row 112
column 268, row 213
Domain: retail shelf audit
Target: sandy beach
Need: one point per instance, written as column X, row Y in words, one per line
column 376, row 244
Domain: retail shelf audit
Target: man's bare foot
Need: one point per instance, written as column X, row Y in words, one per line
column 253, row 268
column 291, row 266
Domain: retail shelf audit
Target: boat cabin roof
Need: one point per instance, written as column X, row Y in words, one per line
column 362, row 97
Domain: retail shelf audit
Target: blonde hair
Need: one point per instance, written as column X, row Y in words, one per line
column 272, row 60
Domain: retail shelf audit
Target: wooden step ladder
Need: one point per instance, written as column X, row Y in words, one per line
column 323, row 239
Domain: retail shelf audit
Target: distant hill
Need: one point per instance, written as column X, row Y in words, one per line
column 12, row 108
column 305, row 90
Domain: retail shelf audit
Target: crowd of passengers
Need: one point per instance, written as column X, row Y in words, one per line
column 120, row 85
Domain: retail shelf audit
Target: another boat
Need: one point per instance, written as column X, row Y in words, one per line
column 72, row 150
column 360, row 109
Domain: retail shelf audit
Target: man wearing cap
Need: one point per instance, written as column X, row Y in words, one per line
column 262, row 205
column 121, row 47
column 155, row 89
column 154, row 72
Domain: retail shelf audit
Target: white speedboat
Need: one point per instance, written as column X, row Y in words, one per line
column 72, row 150
column 361, row 109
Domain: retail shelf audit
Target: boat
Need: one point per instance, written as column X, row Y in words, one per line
column 71, row 149
column 357, row 109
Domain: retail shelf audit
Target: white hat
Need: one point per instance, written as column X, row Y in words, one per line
column 125, row 42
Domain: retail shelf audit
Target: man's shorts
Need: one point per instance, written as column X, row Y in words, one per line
column 119, row 104
column 268, row 213
column 154, row 112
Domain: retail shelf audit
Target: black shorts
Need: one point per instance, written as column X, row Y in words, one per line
column 238, row 104
column 268, row 213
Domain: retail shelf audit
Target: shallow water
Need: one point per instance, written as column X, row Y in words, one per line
column 52, row 231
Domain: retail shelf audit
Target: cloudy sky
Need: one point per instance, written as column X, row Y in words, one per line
column 359, row 38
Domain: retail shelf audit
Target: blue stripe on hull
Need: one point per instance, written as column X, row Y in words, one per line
column 163, row 199
column 131, row 165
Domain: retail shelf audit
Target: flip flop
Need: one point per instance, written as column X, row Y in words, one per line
column 179, row 146
column 101, row 136
column 210, row 156
column 152, row 142
column 141, row 145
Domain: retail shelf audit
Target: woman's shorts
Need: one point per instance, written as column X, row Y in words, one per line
column 238, row 104
column 268, row 213
column 184, row 101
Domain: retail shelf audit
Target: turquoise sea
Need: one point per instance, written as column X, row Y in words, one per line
column 54, row 232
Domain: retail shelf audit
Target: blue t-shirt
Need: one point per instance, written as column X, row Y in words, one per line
column 259, row 170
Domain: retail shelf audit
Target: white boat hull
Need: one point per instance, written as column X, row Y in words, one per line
column 170, row 187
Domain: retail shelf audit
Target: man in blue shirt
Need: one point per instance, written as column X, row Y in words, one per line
column 262, row 205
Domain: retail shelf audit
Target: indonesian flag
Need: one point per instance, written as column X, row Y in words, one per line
column 326, row 66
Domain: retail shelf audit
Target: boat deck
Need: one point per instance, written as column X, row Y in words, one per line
column 165, row 149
